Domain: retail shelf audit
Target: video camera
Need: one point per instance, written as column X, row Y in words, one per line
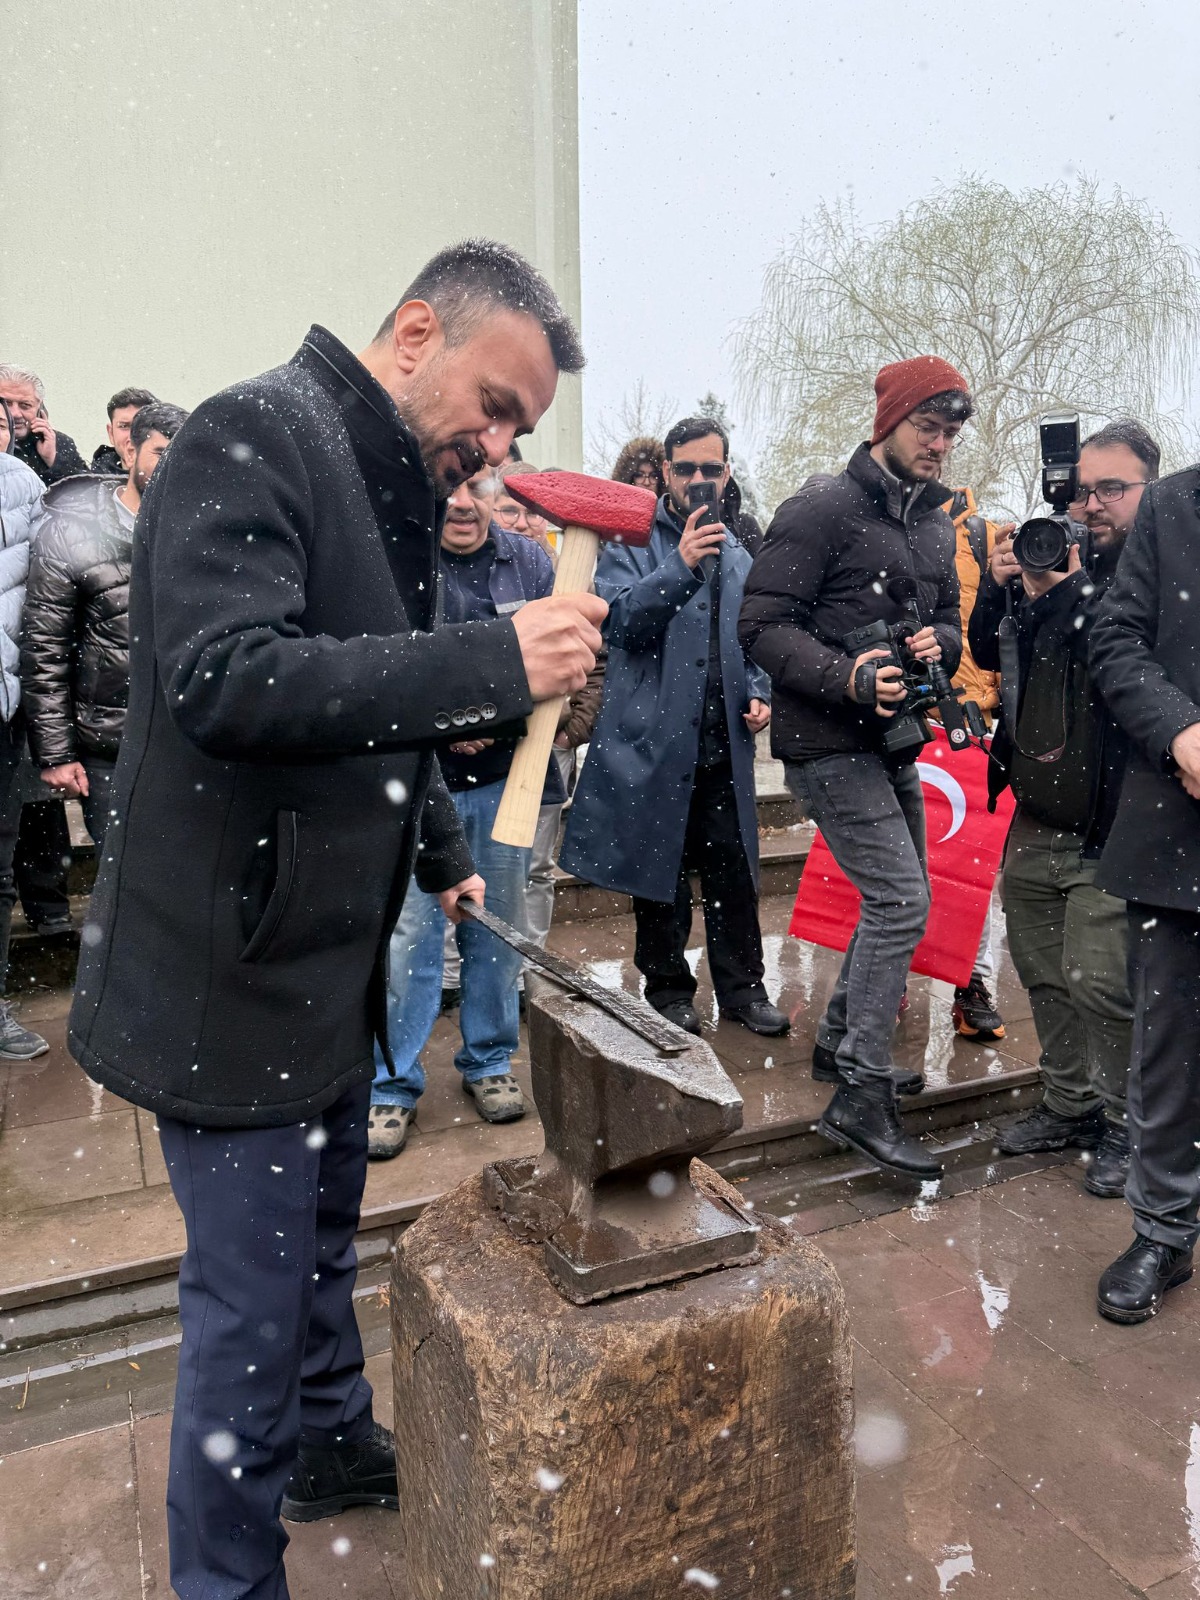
column 926, row 683
column 1043, row 544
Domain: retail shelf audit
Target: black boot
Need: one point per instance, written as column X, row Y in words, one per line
column 1109, row 1167
column 1043, row 1129
column 864, row 1117
column 825, row 1070
column 681, row 1012
column 1132, row 1289
column 327, row 1479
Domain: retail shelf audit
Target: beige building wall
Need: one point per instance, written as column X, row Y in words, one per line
column 185, row 188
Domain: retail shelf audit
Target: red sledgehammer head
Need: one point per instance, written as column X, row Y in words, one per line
column 618, row 511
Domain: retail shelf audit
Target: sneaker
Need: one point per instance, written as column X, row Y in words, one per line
column 1132, row 1289
column 54, row 927
column 975, row 1014
column 1043, row 1129
column 387, row 1130
column 1109, row 1167
column 681, row 1012
column 497, row 1099
column 450, row 998
column 327, row 1479
column 18, row 1043
column 760, row 1016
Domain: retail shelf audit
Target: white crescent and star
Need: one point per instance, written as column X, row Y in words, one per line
column 938, row 778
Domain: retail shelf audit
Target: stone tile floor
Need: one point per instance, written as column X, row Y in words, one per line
column 1010, row 1444
column 83, row 1186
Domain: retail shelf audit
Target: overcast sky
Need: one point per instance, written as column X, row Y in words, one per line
column 707, row 129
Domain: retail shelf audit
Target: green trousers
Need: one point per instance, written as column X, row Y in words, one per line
column 1069, row 943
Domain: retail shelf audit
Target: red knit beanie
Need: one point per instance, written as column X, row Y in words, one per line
column 905, row 385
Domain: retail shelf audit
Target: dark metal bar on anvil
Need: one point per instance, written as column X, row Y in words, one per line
column 626, row 1008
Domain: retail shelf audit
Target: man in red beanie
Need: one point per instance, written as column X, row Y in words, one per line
column 870, row 546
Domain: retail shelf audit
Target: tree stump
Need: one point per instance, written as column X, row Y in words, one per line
column 688, row 1438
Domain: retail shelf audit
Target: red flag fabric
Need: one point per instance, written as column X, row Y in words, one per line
column 965, row 845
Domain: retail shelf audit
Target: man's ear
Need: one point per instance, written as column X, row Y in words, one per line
column 416, row 333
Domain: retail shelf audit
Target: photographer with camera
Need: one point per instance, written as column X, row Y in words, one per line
column 1059, row 748
column 852, row 608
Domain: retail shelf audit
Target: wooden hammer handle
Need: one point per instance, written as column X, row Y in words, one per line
column 517, row 815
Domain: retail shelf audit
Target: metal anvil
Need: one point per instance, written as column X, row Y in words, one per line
column 612, row 1196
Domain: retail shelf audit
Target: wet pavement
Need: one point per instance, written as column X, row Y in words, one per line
column 1010, row 1443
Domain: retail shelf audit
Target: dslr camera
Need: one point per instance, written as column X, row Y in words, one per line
column 926, row 684
column 1043, row 544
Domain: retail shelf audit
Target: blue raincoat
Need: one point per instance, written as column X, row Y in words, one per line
column 625, row 829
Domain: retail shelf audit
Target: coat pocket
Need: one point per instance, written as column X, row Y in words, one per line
column 285, row 876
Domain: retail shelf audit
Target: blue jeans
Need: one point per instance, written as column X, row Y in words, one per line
column 489, row 1010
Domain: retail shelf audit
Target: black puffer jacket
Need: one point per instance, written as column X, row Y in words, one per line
column 75, row 644
column 830, row 554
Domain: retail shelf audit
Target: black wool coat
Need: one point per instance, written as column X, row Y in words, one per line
column 1145, row 657
column 277, row 773
column 830, row 554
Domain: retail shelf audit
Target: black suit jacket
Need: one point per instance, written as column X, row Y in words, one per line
column 277, row 771
column 1145, row 657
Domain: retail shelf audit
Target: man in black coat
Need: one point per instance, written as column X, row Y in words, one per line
column 1145, row 656
column 275, row 786
column 75, row 627
column 869, row 546
column 1058, row 746
column 36, row 442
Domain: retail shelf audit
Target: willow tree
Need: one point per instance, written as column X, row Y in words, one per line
column 1043, row 298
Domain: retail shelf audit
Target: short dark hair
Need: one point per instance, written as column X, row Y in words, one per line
column 1134, row 437
column 469, row 281
column 689, row 428
column 130, row 397
column 158, row 418
column 514, row 451
column 952, row 405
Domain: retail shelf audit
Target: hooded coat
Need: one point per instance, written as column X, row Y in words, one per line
column 21, row 517
column 75, row 650
column 626, row 827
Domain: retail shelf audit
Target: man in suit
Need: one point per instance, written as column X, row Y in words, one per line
column 1145, row 660
column 276, row 784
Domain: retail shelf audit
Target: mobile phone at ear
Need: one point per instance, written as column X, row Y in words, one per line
column 703, row 494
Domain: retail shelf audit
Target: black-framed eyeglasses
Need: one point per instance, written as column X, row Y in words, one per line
column 709, row 470
column 1106, row 491
column 927, row 432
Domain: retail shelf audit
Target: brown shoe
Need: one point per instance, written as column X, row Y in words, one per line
column 387, row 1131
column 497, row 1099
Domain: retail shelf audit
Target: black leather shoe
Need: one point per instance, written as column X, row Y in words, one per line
column 865, row 1118
column 681, row 1012
column 1042, row 1129
column 328, row 1479
column 1109, row 1167
column 760, row 1016
column 1132, row 1289
column 825, row 1070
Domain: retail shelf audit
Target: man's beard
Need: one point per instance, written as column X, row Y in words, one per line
column 448, row 462
column 904, row 473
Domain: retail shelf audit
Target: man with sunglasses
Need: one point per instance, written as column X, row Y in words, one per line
column 668, row 784
column 1065, row 759
column 843, row 554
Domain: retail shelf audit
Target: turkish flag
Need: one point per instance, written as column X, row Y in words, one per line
column 965, row 844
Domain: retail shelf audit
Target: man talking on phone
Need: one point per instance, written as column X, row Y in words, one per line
column 668, row 784
column 42, row 447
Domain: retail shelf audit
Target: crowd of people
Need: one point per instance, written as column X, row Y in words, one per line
column 287, row 607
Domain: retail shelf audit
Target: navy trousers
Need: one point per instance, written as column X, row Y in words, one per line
column 271, row 1354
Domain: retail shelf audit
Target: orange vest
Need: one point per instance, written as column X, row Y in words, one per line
column 982, row 687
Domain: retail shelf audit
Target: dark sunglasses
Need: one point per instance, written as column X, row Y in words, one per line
column 711, row 470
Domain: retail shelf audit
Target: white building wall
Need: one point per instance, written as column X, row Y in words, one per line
column 185, row 188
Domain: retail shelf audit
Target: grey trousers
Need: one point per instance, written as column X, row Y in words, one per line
column 1069, row 944
column 539, row 896
column 1163, row 1190
column 873, row 820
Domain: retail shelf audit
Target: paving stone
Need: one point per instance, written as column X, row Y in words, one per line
column 68, row 1520
column 57, row 1163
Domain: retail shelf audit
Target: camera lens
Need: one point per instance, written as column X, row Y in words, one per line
column 1041, row 545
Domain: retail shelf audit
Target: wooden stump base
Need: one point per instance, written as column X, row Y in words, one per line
column 638, row 1448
